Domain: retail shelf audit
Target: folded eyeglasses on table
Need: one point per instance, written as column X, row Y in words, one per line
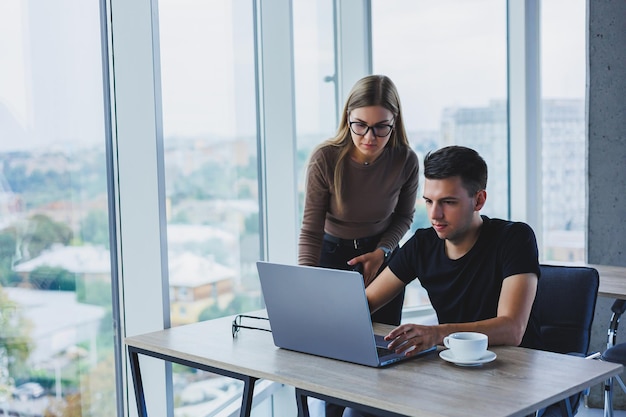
column 239, row 318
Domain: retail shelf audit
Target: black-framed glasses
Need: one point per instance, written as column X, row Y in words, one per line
column 237, row 323
column 379, row 130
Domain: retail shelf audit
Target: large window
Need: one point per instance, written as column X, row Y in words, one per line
column 211, row 166
column 314, row 62
column 448, row 61
column 563, row 155
column 56, row 338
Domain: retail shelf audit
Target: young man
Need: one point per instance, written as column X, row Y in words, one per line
column 480, row 273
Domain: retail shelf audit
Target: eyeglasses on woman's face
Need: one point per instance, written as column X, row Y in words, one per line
column 379, row 130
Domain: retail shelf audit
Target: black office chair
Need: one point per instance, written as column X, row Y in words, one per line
column 561, row 318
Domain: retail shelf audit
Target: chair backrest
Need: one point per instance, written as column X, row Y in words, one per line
column 563, row 310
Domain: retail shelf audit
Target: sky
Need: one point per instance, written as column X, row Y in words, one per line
column 50, row 73
column 440, row 54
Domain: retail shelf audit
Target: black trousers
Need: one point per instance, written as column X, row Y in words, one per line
column 335, row 254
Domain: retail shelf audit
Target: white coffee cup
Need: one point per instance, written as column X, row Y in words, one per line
column 467, row 346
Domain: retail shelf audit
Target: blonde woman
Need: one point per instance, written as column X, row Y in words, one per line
column 361, row 187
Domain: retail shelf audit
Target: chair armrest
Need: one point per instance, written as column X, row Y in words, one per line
column 618, row 308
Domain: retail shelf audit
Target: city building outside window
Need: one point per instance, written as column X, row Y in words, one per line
column 563, row 156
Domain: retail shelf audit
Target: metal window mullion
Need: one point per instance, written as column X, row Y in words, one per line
column 276, row 130
column 113, row 208
column 353, row 44
column 142, row 251
column 525, row 188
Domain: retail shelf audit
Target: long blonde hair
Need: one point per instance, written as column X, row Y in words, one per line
column 372, row 90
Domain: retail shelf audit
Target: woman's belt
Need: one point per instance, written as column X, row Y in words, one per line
column 355, row 243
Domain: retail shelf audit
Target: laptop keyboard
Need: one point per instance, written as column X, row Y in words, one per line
column 383, row 351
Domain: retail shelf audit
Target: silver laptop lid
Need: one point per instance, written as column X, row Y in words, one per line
column 319, row 311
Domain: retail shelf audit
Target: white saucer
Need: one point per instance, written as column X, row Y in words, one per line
column 447, row 355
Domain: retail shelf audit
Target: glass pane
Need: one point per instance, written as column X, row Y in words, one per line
column 210, row 141
column 448, row 59
column 563, row 81
column 56, row 342
column 314, row 62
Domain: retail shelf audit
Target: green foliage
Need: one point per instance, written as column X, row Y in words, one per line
column 43, row 377
column 94, row 228
column 211, row 181
column 181, row 217
column 237, row 305
column 250, row 171
column 106, row 336
column 85, row 175
column 42, row 232
column 98, row 293
column 182, row 369
column 94, row 292
column 53, row 278
column 97, row 393
column 214, row 180
column 101, row 394
column 8, row 245
column 211, row 312
column 15, row 337
column 252, row 224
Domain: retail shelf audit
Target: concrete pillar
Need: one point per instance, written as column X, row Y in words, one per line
column 606, row 175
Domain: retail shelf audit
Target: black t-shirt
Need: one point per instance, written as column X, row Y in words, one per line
column 468, row 289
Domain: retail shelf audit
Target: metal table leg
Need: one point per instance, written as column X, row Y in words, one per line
column 137, row 383
column 303, row 405
column 133, row 353
column 303, row 408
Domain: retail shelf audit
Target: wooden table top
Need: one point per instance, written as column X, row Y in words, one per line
column 612, row 278
column 517, row 383
column 612, row 281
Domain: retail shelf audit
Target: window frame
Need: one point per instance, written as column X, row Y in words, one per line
column 524, row 107
column 139, row 190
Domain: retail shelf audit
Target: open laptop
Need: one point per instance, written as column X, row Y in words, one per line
column 323, row 312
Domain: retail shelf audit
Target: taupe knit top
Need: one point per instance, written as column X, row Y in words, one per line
column 378, row 198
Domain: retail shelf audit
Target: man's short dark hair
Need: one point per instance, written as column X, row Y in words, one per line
column 457, row 161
